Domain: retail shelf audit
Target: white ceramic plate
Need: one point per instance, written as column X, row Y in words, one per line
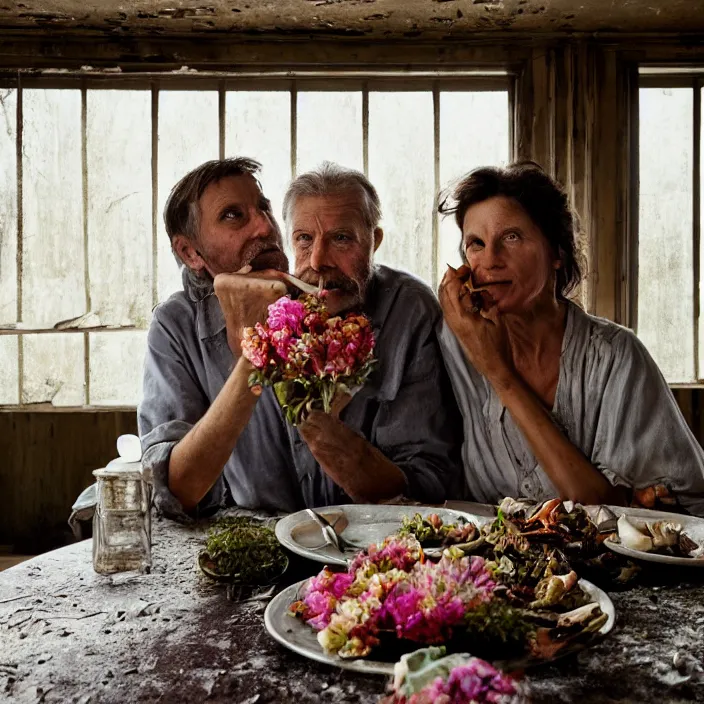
column 691, row 525
column 297, row 636
column 359, row 524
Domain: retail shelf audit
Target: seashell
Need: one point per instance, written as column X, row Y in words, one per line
column 664, row 533
column 631, row 537
column 516, row 507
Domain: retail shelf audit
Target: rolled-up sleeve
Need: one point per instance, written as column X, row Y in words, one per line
column 172, row 403
column 642, row 438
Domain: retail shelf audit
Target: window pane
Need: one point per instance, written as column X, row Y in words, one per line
column 329, row 128
column 53, row 281
column 54, row 369
column 8, row 206
column 473, row 133
column 258, row 125
column 401, row 166
column 188, row 136
column 9, row 370
column 665, row 275
column 120, row 205
column 116, row 367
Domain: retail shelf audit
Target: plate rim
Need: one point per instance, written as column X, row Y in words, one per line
column 379, row 667
column 284, row 526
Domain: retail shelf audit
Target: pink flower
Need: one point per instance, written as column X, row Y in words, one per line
column 309, row 351
column 425, row 607
column 407, row 612
column 322, row 595
column 334, row 347
column 476, row 681
column 282, row 341
column 255, row 346
column 392, row 553
column 286, row 313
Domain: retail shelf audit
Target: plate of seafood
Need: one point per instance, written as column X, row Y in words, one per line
column 515, row 606
column 657, row 536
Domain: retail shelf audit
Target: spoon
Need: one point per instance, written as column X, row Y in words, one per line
column 331, row 537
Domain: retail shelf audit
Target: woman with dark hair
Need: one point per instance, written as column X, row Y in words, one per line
column 556, row 402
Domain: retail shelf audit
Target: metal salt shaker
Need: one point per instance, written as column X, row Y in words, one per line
column 122, row 519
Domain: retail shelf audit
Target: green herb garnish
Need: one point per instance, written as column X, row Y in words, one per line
column 430, row 530
column 242, row 550
column 496, row 629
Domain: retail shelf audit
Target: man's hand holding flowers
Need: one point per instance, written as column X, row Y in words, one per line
column 366, row 475
column 314, row 361
column 307, row 356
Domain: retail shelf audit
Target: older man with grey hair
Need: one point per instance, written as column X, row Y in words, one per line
column 207, row 438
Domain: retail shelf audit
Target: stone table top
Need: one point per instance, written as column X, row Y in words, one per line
column 68, row 634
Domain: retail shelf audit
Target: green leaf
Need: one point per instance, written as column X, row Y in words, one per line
column 282, row 389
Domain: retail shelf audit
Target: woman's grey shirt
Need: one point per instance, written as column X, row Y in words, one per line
column 612, row 402
column 406, row 409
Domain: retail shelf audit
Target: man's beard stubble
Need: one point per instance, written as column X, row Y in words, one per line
column 265, row 254
column 350, row 292
column 260, row 254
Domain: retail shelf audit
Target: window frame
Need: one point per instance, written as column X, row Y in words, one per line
column 499, row 78
column 662, row 76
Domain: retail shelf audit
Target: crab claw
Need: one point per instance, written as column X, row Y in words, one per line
column 545, row 514
column 546, row 642
column 551, row 589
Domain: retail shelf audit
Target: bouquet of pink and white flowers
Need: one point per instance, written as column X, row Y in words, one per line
column 307, row 355
column 391, row 588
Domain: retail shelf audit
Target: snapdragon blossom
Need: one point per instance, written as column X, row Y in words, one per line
column 476, row 681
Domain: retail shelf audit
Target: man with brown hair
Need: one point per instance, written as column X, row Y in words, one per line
column 208, row 440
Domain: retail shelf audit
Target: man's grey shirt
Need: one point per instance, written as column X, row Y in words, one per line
column 406, row 409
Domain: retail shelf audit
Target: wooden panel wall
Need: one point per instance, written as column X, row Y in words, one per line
column 576, row 126
column 691, row 402
column 46, row 460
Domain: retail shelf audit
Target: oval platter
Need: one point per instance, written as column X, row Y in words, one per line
column 297, row 636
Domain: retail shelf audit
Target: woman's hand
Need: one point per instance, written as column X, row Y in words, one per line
column 481, row 333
